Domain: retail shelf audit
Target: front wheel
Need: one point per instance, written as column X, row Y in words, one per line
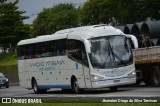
column 75, row 87
column 7, row 86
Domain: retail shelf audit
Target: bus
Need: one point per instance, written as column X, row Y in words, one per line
column 88, row 57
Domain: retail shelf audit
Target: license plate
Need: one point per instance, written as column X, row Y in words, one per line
column 116, row 81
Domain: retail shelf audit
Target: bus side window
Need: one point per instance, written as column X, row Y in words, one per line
column 37, row 50
column 26, row 51
column 20, row 52
column 76, row 51
column 43, row 50
column 60, row 47
column 32, row 51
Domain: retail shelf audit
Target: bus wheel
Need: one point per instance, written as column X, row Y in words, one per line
column 36, row 89
column 75, row 86
column 113, row 89
column 155, row 76
column 35, row 86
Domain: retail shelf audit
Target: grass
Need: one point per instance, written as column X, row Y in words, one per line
column 8, row 65
column 10, row 71
column 8, row 59
column 87, row 104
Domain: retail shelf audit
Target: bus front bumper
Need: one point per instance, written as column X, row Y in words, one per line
column 114, row 82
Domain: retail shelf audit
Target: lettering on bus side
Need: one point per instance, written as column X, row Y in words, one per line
column 46, row 65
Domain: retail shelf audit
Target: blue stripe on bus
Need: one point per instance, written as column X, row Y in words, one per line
column 54, row 86
column 113, row 79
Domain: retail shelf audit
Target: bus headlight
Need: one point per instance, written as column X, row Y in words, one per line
column 132, row 74
column 96, row 77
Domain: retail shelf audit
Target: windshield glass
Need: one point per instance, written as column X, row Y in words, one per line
column 110, row 51
column 1, row 75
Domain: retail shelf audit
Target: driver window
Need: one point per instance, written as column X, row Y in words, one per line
column 76, row 51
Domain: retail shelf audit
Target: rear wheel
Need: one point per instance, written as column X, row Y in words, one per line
column 155, row 78
column 36, row 89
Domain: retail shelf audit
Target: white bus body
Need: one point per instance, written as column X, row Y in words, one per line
column 79, row 58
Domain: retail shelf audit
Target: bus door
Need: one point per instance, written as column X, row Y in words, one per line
column 77, row 53
column 84, row 61
column 87, row 76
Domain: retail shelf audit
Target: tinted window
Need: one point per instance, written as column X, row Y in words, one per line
column 60, row 47
column 76, row 51
column 42, row 49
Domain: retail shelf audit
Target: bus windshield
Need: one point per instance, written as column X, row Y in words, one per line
column 110, row 52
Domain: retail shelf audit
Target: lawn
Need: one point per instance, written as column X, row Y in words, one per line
column 8, row 65
column 8, row 59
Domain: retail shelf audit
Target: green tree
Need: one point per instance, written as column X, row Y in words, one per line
column 12, row 28
column 120, row 11
column 58, row 17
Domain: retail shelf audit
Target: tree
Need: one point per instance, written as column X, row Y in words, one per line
column 120, row 11
column 58, row 17
column 96, row 11
column 12, row 28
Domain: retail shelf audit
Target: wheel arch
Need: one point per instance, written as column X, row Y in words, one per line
column 73, row 77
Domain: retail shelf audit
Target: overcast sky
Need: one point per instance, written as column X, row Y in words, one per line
column 33, row 7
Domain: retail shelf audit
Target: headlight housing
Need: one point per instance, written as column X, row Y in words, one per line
column 96, row 77
column 132, row 75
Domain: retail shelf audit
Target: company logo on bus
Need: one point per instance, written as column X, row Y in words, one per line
column 114, row 73
column 46, row 65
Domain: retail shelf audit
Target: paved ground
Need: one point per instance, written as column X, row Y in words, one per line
column 139, row 91
column 136, row 94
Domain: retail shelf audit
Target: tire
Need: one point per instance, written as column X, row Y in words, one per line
column 35, row 87
column 7, row 86
column 155, row 77
column 113, row 89
column 75, row 86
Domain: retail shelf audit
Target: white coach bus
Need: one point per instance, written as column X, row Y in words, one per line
column 80, row 58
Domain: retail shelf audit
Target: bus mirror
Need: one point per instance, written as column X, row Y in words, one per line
column 134, row 40
column 88, row 46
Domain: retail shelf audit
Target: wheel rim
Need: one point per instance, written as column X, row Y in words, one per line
column 35, row 87
column 156, row 77
column 76, row 87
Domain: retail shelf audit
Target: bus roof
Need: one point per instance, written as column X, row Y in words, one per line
column 79, row 33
